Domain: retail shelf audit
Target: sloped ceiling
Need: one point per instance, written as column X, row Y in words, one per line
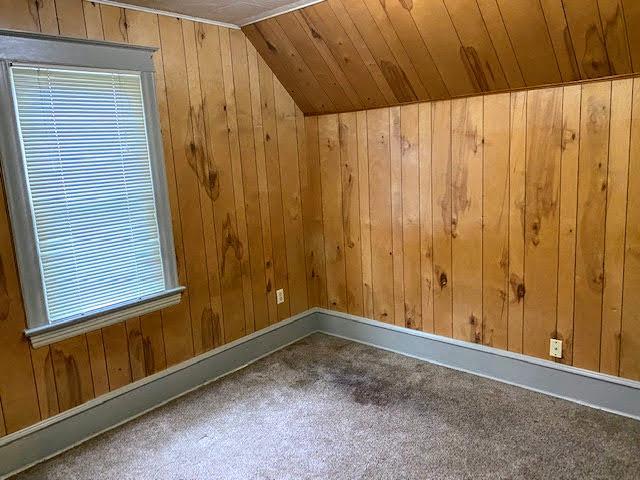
column 341, row 55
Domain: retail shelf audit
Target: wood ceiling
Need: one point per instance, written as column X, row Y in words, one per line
column 341, row 55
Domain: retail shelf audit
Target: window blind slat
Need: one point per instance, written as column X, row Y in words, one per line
column 88, row 169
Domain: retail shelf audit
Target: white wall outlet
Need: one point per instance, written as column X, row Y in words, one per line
column 555, row 348
column 280, row 296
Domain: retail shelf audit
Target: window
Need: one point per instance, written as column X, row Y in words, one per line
column 88, row 197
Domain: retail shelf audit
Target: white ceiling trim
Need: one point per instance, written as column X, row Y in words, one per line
column 164, row 12
column 278, row 11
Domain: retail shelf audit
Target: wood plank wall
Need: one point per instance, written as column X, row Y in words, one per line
column 342, row 55
column 505, row 219
column 232, row 142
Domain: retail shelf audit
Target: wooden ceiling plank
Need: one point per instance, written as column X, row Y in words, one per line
column 632, row 19
column 317, row 64
column 530, row 39
column 584, row 23
column 363, row 50
column 438, row 32
column 326, row 28
column 481, row 55
column 383, row 22
column 501, row 42
column 278, row 64
column 395, row 75
column 398, row 13
column 299, row 68
column 615, row 36
column 561, row 39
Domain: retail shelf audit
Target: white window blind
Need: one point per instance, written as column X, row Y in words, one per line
column 90, row 185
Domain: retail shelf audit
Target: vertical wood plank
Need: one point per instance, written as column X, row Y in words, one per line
column 395, row 146
column 311, row 190
column 378, row 128
column 261, row 171
column 71, row 15
column 93, row 20
column 592, row 204
column 495, row 211
column 466, row 217
column 177, row 323
column 251, row 200
column 630, row 339
column 329, row 145
column 347, row 130
column 276, row 207
column 568, row 219
column 114, row 23
column 242, row 251
column 517, row 160
column 45, row 381
column 229, row 252
column 290, row 176
column 72, row 372
column 365, row 214
column 48, row 17
column 615, row 227
column 410, row 135
column 3, row 427
column 19, row 15
column 136, row 349
column 544, row 130
column 98, row 362
column 441, row 201
column 425, row 131
column 116, row 348
column 196, row 209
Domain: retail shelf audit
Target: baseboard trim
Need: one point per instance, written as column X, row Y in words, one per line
column 32, row 445
column 596, row 390
column 48, row 438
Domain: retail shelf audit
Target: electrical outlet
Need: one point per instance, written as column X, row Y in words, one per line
column 555, row 348
column 280, row 296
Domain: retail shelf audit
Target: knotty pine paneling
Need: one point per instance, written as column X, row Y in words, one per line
column 235, row 152
column 342, row 55
column 505, row 219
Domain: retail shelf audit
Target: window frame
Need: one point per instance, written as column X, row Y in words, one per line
column 50, row 51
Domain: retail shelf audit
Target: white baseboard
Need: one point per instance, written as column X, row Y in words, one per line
column 48, row 438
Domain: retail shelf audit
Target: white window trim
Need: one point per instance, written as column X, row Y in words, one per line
column 19, row 47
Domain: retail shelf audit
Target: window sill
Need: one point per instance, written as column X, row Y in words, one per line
column 48, row 334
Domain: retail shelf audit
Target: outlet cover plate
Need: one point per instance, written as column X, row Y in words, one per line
column 555, row 348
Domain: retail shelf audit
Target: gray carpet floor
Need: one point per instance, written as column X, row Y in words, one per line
column 327, row 408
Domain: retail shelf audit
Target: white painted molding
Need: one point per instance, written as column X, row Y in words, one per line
column 165, row 13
